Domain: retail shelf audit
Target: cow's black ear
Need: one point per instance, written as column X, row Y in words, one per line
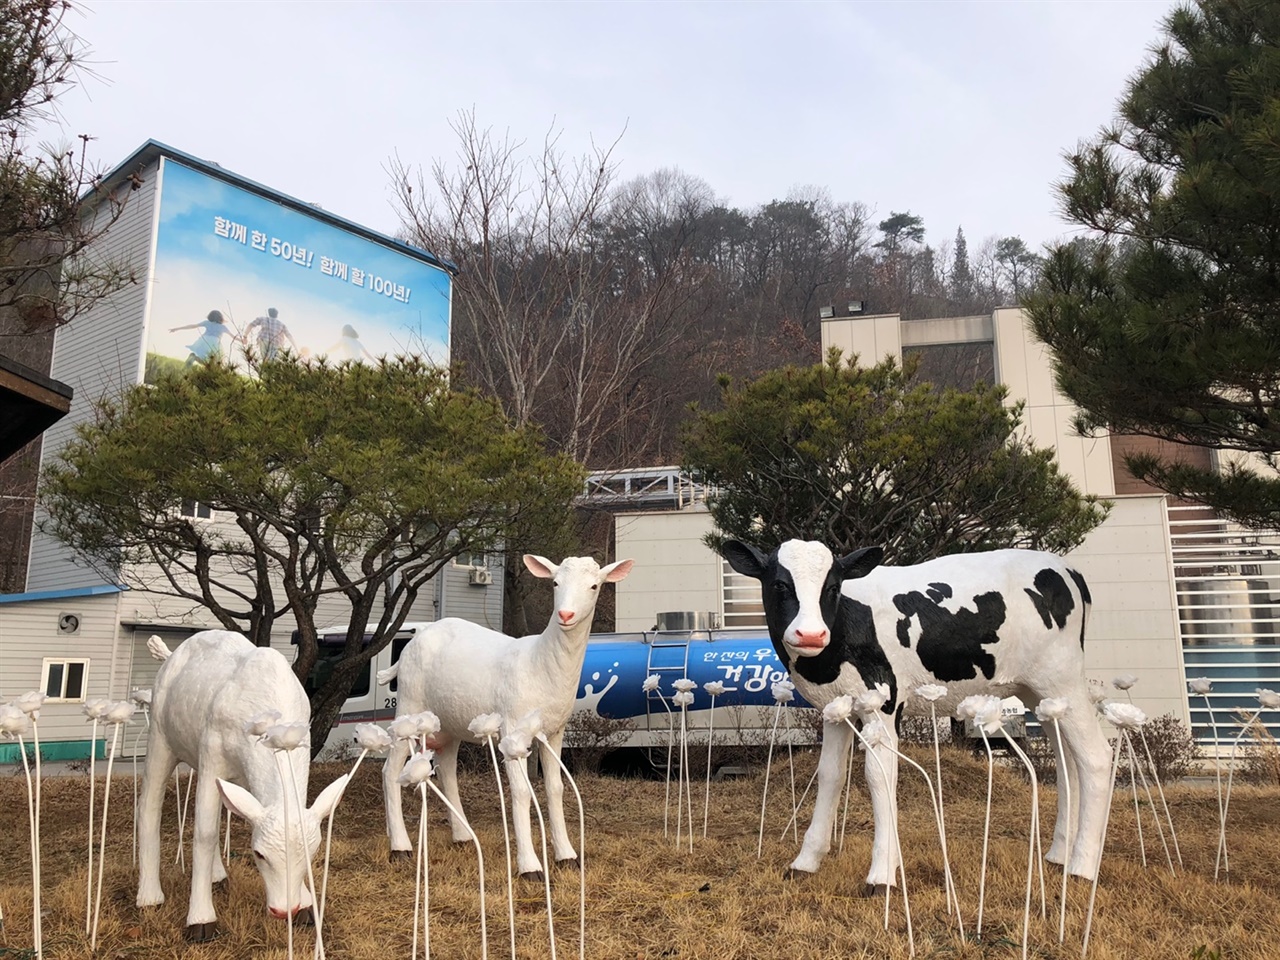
column 860, row 562
column 746, row 559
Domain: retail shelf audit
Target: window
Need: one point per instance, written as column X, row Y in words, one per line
column 468, row 559
column 64, row 679
column 323, row 670
column 197, row 510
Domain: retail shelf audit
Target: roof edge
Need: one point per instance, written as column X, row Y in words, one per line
column 68, row 594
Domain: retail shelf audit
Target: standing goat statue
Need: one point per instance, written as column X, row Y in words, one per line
column 205, row 695
column 460, row 670
column 1008, row 622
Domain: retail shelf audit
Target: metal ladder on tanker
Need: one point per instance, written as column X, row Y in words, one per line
column 669, row 659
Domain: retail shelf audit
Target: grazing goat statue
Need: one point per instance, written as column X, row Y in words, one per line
column 205, row 695
column 460, row 670
column 1008, row 623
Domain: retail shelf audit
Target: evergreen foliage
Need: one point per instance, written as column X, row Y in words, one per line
column 1167, row 323
column 854, row 457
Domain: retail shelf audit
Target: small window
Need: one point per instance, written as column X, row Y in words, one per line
column 65, row 679
column 397, row 648
column 197, row 510
column 323, row 670
column 468, row 559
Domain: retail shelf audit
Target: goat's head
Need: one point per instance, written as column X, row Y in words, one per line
column 274, row 850
column 800, row 587
column 577, row 583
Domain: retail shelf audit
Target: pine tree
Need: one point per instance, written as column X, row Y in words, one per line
column 961, row 272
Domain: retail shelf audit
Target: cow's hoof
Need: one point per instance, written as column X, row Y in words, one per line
column 395, row 855
column 304, row 918
column 534, row 875
column 793, row 873
column 875, row 890
column 569, row 863
column 202, row 932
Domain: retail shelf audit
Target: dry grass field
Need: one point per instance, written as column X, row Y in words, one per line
column 647, row 899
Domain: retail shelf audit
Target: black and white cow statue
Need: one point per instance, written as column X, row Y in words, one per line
column 1008, row 623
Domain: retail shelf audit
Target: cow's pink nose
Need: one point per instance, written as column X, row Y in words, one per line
column 811, row 638
column 565, row 615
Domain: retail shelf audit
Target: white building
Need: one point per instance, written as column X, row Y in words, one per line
column 200, row 240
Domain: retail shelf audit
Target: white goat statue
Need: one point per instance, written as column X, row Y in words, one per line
column 205, row 694
column 460, row 670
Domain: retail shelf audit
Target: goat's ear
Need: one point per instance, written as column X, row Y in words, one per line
column 240, row 801
column 329, row 797
column 860, row 562
column 617, row 571
column 743, row 557
column 540, row 566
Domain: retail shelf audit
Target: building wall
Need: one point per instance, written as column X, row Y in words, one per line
column 674, row 570
column 98, row 354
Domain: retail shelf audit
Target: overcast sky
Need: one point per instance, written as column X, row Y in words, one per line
column 957, row 111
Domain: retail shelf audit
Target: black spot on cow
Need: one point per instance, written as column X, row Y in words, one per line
column 853, row 640
column 1084, row 595
column 1052, row 598
column 939, row 592
column 951, row 644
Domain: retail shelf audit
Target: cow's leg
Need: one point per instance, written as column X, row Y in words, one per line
column 831, row 770
column 555, row 797
column 528, row 863
column 396, row 833
column 447, row 771
column 1092, row 755
column 882, row 783
column 1068, row 794
column 160, row 763
column 204, row 850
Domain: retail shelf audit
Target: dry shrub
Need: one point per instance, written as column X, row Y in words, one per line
column 1173, row 750
column 1261, row 764
column 591, row 735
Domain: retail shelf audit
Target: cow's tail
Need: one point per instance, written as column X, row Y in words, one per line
column 158, row 648
column 1086, row 601
column 389, row 674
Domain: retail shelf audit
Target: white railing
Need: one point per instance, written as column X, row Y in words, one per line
column 644, row 487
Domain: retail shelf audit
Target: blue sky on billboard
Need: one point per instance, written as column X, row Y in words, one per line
column 223, row 248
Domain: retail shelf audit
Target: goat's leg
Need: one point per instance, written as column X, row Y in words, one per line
column 204, row 850
column 551, row 776
column 528, row 863
column 396, row 833
column 1092, row 756
column 447, row 772
column 155, row 779
column 831, row 769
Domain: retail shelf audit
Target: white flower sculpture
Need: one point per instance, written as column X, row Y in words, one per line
column 1200, row 685
column 424, row 724
column 13, row 722
column 683, row 698
column 486, row 725
column 685, row 685
column 838, row 710
column 931, row 691
column 1097, row 692
column 875, row 733
column 121, row 711
column 30, row 703
column 516, row 744
column 1269, row 699
column 285, row 736
column 1124, row 682
column 714, row 688
column 784, row 682
column 95, row 707
column 371, row 737
column 1124, row 715
column 783, row 694
column 1052, row 708
column 418, row 768
column 141, row 697
column 869, row 701
column 988, row 716
column 967, row 709
column 651, row 683
column 257, row 725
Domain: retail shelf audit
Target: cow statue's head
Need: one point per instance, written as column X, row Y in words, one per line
column 280, row 857
column 800, row 587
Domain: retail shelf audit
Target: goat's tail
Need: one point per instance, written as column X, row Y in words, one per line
column 158, row 648
column 389, row 674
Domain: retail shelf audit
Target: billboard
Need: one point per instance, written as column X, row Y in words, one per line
column 234, row 269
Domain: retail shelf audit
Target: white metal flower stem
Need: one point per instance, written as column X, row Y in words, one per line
column 1064, row 783
column 137, row 742
column 102, row 847
column 683, row 788
column 848, row 789
column 804, row 795
column 35, row 739
column 1032, row 843
column 1151, row 802
column 986, row 831
column 582, row 858
column 93, row 779
column 1226, row 805
column 506, row 842
column 897, row 844
column 671, row 739
column 317, row 909
column 288, row 879
column 1217, row 772
column 484, row 929
column 791, row 767
column 1106, row 819
column 953, row 897
column 421, row 883
column 546, row 873
column 37, row 932
column 764, row 798
column 706, row 799
column 328, row 835
column 1155, row 775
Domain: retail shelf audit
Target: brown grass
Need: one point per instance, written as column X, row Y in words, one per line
column 646, row 899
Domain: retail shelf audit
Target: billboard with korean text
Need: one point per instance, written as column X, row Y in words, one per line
column 236, row 270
